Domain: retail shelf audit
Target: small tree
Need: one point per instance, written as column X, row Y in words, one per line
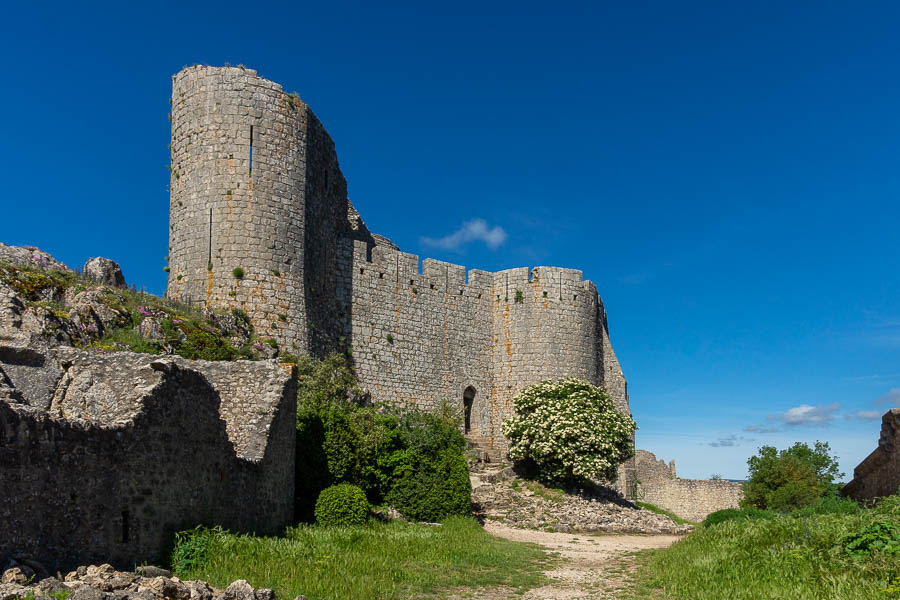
column 793, row 478
column 569, row 432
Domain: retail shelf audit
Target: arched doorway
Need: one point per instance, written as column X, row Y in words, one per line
column 468, row 399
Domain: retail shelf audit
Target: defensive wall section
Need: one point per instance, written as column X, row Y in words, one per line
column 256, row 185
column 691, row 499
column 878, row 474
column 102, row 458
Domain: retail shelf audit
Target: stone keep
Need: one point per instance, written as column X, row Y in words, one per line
column 256, row 186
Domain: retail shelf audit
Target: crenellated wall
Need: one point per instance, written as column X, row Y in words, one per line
column 316, row 279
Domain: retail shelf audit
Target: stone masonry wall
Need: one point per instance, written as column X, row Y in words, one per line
column 419, row 338
column 879, row 473
column 239, row 201
column 133, row 447
column 691, row 499
column 316, row 279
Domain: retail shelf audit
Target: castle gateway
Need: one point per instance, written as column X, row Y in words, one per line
column 260, row 221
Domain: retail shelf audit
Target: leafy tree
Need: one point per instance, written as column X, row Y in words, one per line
column 793, row 478
column 569, row 432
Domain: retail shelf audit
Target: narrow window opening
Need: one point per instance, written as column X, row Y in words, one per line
column 468, row 401
column 460, row 292
column 432, row 286
column 381, row 276
column 251, row 149
column 125, row 527
column 411, row 282
column 575, row 297
column 362, row 271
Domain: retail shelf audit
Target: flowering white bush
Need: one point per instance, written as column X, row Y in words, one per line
column 570, row 430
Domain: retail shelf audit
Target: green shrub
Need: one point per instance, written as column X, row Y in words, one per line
column 202, row 345
column 431, row 490
column 341, row 440
column 569, row 432
column 343, row 504
column 792, row 478
column 238, row 273
column 191, row 548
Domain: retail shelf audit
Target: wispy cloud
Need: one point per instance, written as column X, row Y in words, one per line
column 471, row 231
column 760, row 429
column 806, row 414
column 892, row 398
column 864, row 415
column 729, row 441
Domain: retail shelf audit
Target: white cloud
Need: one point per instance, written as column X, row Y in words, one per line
column 471, row 231
column 809, row 415
column 865, row 415
column 892, row 398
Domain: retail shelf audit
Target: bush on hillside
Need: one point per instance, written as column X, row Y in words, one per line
column 790, row 479
column 342, row 505
column 569, row 432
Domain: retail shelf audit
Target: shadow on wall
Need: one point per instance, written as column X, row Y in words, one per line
column 134, row 448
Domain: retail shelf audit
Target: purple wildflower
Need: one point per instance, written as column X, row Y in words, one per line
column 144, row 311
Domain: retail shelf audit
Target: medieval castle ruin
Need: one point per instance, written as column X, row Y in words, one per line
column 260, row 221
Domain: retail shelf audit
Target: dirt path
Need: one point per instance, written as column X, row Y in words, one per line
column 593, row 566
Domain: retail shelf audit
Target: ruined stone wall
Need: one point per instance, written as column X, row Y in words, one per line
column 238, row 199
column 691, row 499
column 133, row 447
column 879, row 474
column 418, row 338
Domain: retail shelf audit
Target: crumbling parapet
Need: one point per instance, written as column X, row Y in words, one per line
column 878, row 474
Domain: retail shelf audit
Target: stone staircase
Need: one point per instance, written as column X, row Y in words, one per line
column 484, row 451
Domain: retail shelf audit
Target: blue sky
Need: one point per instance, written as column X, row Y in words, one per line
column 726, row 175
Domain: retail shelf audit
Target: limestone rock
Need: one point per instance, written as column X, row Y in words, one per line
column 11, row 591
column 29, row 256
column 86, row 592
column 104, row 271
column 239, row 590
column 14, row 575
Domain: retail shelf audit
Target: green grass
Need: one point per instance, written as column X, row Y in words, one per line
column 662, row 511
column 799, row 556
column 380, row 560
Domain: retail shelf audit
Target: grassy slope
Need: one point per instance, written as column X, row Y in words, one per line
column 787, row 557
column 394, row 560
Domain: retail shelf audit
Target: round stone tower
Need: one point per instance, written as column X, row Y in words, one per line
column 240, row 195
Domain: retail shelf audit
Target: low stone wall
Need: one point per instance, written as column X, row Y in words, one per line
column 879, row 474
column 693, row 499
column 102, row 458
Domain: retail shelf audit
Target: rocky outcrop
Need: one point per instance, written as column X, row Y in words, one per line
column 104, row 271
column 499, row 494
column 103, row 582
column 29, row 256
